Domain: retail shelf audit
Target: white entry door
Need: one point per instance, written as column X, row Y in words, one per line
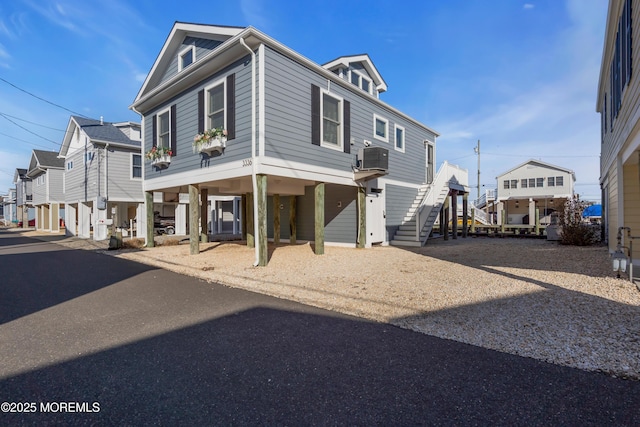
column 375, row 219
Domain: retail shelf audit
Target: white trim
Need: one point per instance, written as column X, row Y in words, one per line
column 267, row 165
column 191, row 48
column 261, row 101
column 396, row 128
column 135, row 178
column 222, row 81
column 375, row 134
column 340, row 136
column 386, row 181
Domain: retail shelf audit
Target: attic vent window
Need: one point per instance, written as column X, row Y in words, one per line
column 187, row 57
column 361, row 81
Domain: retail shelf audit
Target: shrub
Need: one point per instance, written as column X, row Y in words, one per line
column 575, row 231
column 133, row 243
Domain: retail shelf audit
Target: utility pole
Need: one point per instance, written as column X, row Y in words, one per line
column 476, row 150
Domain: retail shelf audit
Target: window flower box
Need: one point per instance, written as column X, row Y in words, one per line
column 210, row 140
column 162, row 161
column 214, row 144
column 160, row 156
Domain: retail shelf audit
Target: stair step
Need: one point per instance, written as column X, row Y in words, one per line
column 411, row 233
column 405, row 243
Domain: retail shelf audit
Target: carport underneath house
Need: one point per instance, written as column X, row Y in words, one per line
column 283, row 209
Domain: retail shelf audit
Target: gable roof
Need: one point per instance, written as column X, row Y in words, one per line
column 20, row 174
column 541, row 164
column 98, row 132
column 155, row 91
column 42, row 160
column 178, row 33
column 367, row 63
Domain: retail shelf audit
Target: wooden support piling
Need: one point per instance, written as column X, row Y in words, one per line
column 292, row 219
column 276, row 219
column 362, row 217
column 319, row 218
column 148, row 204
column 194, row 218
column 263, row 248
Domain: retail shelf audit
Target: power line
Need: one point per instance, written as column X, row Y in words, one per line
column 31, row 123
column 31, row 132
column 42, row 99
column 533, row 157
column 22, row 140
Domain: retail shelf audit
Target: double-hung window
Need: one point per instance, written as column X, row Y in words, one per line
column 539, row 182
column 164, row 129
column 551, row 181
column 380, row 128
column 399, row 138
column 215, row 106
column 523, row 182
column 559, row 181
column 136, row 165
column 331, row 121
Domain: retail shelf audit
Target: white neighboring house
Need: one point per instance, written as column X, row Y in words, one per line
column 530, row 185
column 46, row 171
column 102, row 177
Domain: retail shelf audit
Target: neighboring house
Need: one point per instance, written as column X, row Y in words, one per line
column 46, row 171
column 24, row 196
column 103, row 169
column 529, row 186
column 8, row 207
column 310, row 150
column 618, row 105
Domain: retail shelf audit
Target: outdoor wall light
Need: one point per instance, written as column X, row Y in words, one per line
column 619, row 260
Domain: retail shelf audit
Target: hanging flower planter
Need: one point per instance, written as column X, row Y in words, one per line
column 162, row 161
column 210, row 140
column 160, row 157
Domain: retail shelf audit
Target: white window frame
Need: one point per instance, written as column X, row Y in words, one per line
column 88, row 157
column 132, row 166
column 559, row 181
column 70, row 165
column 361, row 77
column 386, row 122
column 181, row 55
column 397, row 128
column 551, row 181
column 223, row 83
column 340, row 136
column 166, row 111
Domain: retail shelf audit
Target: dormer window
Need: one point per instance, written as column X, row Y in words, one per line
column 361, row 81
column 187, row 57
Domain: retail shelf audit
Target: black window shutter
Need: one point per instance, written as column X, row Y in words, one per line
column 347, row 127
column 201, row 111
column 315, row 115
column 231, row 106
column 154, row 131
column 172, row 137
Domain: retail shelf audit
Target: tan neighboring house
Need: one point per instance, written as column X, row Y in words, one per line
column 530, row 185
column 46, row 171
column 619, row 108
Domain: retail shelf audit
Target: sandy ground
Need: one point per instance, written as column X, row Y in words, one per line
column 532, row 298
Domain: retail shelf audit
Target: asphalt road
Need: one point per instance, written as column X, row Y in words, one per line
column 89, row 339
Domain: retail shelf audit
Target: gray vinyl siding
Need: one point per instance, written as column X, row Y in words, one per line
column 398, row 200
column 56, row 187
column 39, row 191
column 203, row 47
column 120, row 184
column 187, row 125
column 81, row 181
column 340, row 222
column 288, row 123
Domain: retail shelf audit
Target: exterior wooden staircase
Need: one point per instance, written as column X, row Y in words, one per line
column 424, row 211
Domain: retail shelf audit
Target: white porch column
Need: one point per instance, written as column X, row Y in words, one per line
column 181, row 219
column 532, row 212
column 54, row 217
column 84, row 220
column 100, row 231
column 70, row 220
column 500, row 208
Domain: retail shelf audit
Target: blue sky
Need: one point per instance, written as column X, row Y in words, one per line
column 520, row 76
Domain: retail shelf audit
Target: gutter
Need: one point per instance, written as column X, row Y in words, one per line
column 254, row 179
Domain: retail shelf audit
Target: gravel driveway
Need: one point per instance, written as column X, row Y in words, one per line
column 531, row 298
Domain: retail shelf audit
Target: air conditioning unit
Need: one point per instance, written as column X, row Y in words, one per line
column 373, row 158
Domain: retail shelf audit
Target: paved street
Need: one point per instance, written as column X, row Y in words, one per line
column 138, row 346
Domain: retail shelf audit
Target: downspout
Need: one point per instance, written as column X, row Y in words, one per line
column 254, row 179
column 106, row 171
